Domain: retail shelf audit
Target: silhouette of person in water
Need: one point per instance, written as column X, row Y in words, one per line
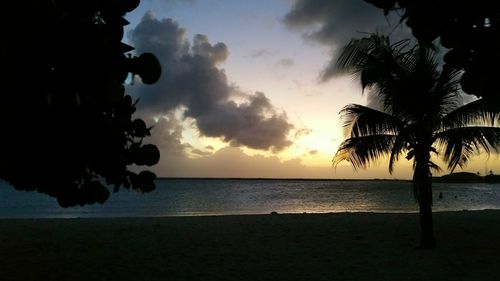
column 440, row 195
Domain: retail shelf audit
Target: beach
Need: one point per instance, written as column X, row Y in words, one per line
column 342, row 246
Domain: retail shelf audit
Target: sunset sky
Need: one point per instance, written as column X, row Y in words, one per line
column 246, row 89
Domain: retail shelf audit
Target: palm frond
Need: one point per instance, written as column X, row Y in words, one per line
column 362, row 151
column 356, row 54
column 435, row 167
column 366, row 58
column 444, row 95
column 402, row 144
column 459, row 144
column 410, row 94
column 474, row 113
column 361, row 120
column 404, row 83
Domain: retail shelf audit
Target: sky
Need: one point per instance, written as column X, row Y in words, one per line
column 248, row 88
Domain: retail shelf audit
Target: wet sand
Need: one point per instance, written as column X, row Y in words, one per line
column 346, row 246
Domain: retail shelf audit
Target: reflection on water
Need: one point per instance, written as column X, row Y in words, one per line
column 223, row 197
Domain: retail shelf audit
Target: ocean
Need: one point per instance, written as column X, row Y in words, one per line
column 201, row 197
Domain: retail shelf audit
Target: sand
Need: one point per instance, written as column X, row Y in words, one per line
column 357, row 246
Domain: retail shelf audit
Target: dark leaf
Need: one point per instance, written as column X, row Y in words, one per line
column 150, row 155
column 146, row 181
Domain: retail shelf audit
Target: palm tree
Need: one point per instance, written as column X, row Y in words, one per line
column 422, row 114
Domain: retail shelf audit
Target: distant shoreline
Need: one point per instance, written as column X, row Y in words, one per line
column 275, row 179
column 466, row 177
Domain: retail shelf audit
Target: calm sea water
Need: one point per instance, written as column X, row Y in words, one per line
column 188, row 197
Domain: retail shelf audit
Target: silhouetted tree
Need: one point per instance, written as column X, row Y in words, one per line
column 422, row 114
column 469, row 29
column 66, row 122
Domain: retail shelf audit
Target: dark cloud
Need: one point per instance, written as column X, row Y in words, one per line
column 192, row 81
column 336, row 22
column 253, row 123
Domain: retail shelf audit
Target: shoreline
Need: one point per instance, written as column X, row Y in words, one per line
column 209, row 215
column 333, row 246
column 272, row 213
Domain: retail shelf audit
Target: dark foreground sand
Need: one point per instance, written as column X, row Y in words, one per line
column 269, row 247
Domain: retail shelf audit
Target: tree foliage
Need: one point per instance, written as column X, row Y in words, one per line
column 468, row 29
column 66, row 122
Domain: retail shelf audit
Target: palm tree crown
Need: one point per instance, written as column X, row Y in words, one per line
column 422, row 109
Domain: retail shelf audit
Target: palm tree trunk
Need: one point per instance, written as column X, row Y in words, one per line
column 426, row 223
column 423, row 187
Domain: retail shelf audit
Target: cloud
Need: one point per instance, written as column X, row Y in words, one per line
column 253, row 124
column 302, row 132
column 232, row 162
column 261, row 53
column 191, row 80
column 286, row 62
column 200, row 152
column 166, row 134
column 334, row 23
column 167, row 5
column 313, row 152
